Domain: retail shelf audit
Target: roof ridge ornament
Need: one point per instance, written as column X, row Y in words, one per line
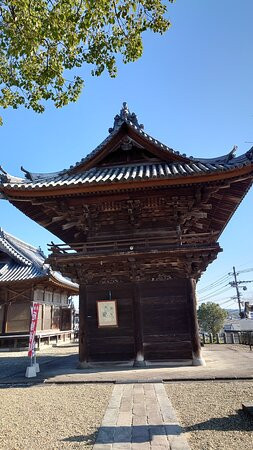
column 125, row 116
column 232, row 153
column 5, row 177
column 28, row 174
column 249, row 154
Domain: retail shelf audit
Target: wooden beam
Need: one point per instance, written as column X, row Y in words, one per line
column 22, row 293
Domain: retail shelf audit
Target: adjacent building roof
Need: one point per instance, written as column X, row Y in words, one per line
column 23, row 262
column 169, row 164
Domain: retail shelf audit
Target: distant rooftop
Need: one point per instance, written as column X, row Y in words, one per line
column 21, row 261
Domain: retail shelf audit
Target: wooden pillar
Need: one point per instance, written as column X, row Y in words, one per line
column 197, row 359
column 42, row 317
column 83, row 346
column 5, row 312
column 5, row 315
column 138, row 327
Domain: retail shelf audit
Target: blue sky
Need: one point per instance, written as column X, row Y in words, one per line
column 192, row 89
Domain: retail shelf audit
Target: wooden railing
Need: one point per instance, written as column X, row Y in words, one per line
column 133, row 244
column 22, row 340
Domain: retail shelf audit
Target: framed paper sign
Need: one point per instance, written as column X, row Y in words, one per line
column 107, row 313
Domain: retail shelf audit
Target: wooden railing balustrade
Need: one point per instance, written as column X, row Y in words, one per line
column 132, row 244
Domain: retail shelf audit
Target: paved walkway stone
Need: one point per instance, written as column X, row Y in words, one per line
column 140, row 417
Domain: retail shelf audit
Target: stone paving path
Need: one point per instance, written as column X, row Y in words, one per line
column 140, row 417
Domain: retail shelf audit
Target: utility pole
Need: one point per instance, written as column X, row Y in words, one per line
column 236, row 284
column 238, row 295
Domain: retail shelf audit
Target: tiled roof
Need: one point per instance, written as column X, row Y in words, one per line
column 20, row 251
column 183, row 166
column 25, row 262
column 13, row 271
column 126, row 173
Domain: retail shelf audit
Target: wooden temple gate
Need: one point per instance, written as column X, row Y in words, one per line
column 141, row 223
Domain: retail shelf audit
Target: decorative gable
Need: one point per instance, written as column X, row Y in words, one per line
column 127, row 144
column 127, row 152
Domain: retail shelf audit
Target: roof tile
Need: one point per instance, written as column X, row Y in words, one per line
column 25, row 262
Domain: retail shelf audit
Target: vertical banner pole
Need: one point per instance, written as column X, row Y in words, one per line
column 34, row 366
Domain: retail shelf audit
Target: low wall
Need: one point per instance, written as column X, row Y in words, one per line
column 228, row 337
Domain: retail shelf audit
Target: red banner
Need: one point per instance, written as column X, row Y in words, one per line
column 34, row 320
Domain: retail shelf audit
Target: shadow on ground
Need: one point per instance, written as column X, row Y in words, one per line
column 142, row 433
column 233, row 422
column 14, row 372
column 127, row 434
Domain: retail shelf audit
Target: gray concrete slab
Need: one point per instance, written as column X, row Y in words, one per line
column 222, row 361
column 60, row 366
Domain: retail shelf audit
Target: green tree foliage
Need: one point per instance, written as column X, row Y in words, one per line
column 211, row 317
column 42, row 40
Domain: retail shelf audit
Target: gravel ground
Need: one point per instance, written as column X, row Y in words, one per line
column 208, row 412
column 52, row 417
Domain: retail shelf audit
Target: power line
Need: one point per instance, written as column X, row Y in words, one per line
column 222, row 279
column 213, row 297
column 245, row 271
column 218, row 287
column 227, row 301
column 217, row 292
column 230, row 306
column 215, row 283
column 226, row 304
column 215, row 289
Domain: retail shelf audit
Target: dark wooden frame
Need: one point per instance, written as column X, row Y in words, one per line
column 116, row 314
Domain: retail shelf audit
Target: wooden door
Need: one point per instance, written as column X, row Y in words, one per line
column 66, row 319
column 18, row 317
column 165, row 320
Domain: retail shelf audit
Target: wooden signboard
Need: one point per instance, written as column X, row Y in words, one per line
column 107, row 313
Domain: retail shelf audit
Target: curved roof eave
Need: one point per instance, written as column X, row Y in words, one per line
column 121, row 120
column 64, row 282
column 131, row 180
column 221, row 159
